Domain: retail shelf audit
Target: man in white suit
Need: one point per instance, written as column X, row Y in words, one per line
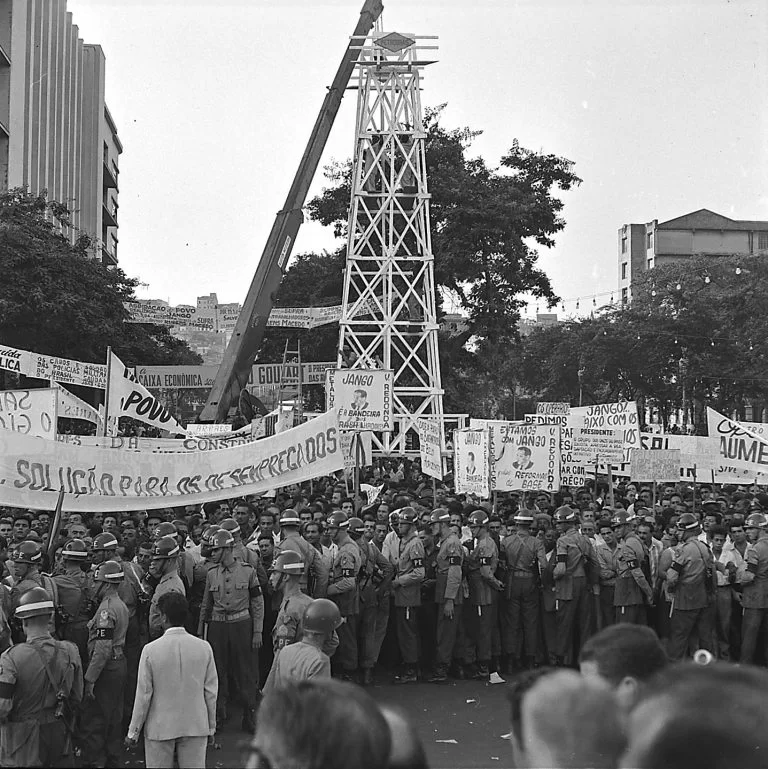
column 176, row 693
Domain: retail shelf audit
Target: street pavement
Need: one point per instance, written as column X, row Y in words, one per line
column 460, row 724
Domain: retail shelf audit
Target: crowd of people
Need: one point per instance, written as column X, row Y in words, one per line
column 408, row 580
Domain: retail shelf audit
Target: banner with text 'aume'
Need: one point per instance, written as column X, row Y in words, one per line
column 32, row 470
column 738, row 449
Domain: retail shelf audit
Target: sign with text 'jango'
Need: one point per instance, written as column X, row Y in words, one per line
column 362, row 398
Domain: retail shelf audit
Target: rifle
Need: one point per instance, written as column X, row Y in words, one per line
column 53, row 534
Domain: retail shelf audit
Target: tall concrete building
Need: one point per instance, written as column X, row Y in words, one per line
column 700, row 233
column 56, row 133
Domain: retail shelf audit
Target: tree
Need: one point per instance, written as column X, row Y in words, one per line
column 56, row 300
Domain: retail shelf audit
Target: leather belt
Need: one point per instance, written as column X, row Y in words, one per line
column 520, row 573
column 230, row 617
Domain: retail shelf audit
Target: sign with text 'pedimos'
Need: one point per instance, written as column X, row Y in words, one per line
column 362, row 398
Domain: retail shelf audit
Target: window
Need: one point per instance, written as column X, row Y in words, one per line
column 649, row 240
column 623, row 270
column 650, row 263
column 624, row 295
column 623, row 245
column 762, row 241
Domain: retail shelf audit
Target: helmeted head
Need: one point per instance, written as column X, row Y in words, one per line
column 321, row 616
column 688, row 525
column 289, row 518
column 232, row 526
column 108, row 573
column 205, row 539
column 164, row 529
column 523, row 517
column 26, row 557
column 355, row 527
column 222, row 542
column 477, row 522
column 165, row 553
column 565, row 517
column 287, row 565
column 75, row 551
column 755, row 524
column 104, row 547
column 619, row 522
column 34, row 603
column 435, row 519
column 406, row 520
column 336, row 525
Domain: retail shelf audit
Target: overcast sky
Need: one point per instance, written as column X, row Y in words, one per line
column 662, row 106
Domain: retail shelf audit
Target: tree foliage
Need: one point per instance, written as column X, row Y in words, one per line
column 56, row 300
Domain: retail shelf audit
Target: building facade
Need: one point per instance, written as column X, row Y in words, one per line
column 642, row 247
column 56, row 133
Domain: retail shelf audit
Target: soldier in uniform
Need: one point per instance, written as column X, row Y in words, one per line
column 101, row 721
column 632, row 589
column 27, row 557
column 35, row 711
column 343, row 591
column 692, row 582
column 755, row 590
column 409, row 574
column 481, row 566
column 448, row 593
column 374, row 572
column 163, row 576
column 576, row 574
column 233, row 608
column 245, row 554
column 74, row 589
column 525, row 561
column 314, row 566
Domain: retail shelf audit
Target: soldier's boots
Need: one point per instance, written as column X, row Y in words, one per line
column 439, row 676
column 458, row 671
column 482, row 673
column 366, row 678
column 408, row 676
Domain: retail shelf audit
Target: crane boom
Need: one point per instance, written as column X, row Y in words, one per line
column 235, row 369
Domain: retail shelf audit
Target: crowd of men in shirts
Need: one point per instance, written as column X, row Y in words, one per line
column 423, row 584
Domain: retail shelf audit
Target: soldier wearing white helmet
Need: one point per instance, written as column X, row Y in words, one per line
column 755, row 591
column 315, row 573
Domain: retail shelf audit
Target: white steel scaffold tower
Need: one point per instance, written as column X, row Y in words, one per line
column 388, row 317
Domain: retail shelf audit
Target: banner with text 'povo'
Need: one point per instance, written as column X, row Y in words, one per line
column 32, row 470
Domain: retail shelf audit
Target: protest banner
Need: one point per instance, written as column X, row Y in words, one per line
column 362, row 398
column 546, row 419
column 620, row 416
column 756, row 428
column 39, row 366
column 32, row 470
column 72, row 407
column 29, row 412
column 127, row 397
column 470, row 462
column 698, row 453
column 357, row 448
column 657, row 465
column 430, row 447
column 524, row 457
column 737, row 449
column 573, row 474
column 208, row 430
column 551, row 408
column 485, row 424
column 593, row 445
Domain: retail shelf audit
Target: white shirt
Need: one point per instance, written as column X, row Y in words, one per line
column 391, row 547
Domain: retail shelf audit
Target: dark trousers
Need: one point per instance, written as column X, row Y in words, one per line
column 687, row 624
column 723, row 622
column 428, row 632
column 234, row 658
column 101, row 721
column 633, row 615
column 520, row 617
column 132, row 654
column 753, row 623
column 574, row 618
column 368, row 651
column 407, row 623
column 607, row 610
column 54, row 745
column 447, row 630
column 479, row 626
column 380, row 627
column 345, row 658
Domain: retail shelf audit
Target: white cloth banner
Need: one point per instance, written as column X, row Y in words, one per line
column 29, row 412
column 32, row 470
column 525, row 457
column 37, row 366
column 619, row 416
column 737, row 449
column 430, row 449
column 72, row 407
column 127, row 397
column 698, row 453
column 661, row 465
column 470, row 462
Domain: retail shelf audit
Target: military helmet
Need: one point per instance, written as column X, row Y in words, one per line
column 205, row 539
column 288, row 562
column 406, row 515
column 165, row 547
column 164, row 529
column 337, row 520
column 478, row 518
column 687, row 522
column 108, row 571
column 440, row 515
column 27, row 552
column 230, row 525
column 565, row 514
column 321, row 616
column 756, row 521
column 34, row 603
column 222, row 538
column 75, row 550
column 619, row 518
column 355, row 525
column 523, row 516
column 290, row 517
column 104, row 541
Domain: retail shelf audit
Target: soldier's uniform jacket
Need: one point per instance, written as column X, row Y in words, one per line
column 315, row 572
column 450, row 558
column 687, row 576
column 755, row 594
column 232, row 594
column 27, row 699
column 409, row 571
column 106, row 635
column 169, row 583
column 74, row 588
column 576, row 552
column 630, row 557
column 481, row 566
column 523, row 556
column 32, row 579
column 375, row 571
column 430, row 576
column 288, row 622
column 342, row 585
column 253, row 558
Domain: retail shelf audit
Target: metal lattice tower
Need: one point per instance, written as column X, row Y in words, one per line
column 388, row 318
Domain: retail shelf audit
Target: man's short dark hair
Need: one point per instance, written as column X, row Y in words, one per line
column 174, row 606
column 625, row 650
column 718, row 529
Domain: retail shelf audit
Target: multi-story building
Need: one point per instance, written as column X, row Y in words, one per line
column 701, row 233
column 543, row 320
column 56, row 133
